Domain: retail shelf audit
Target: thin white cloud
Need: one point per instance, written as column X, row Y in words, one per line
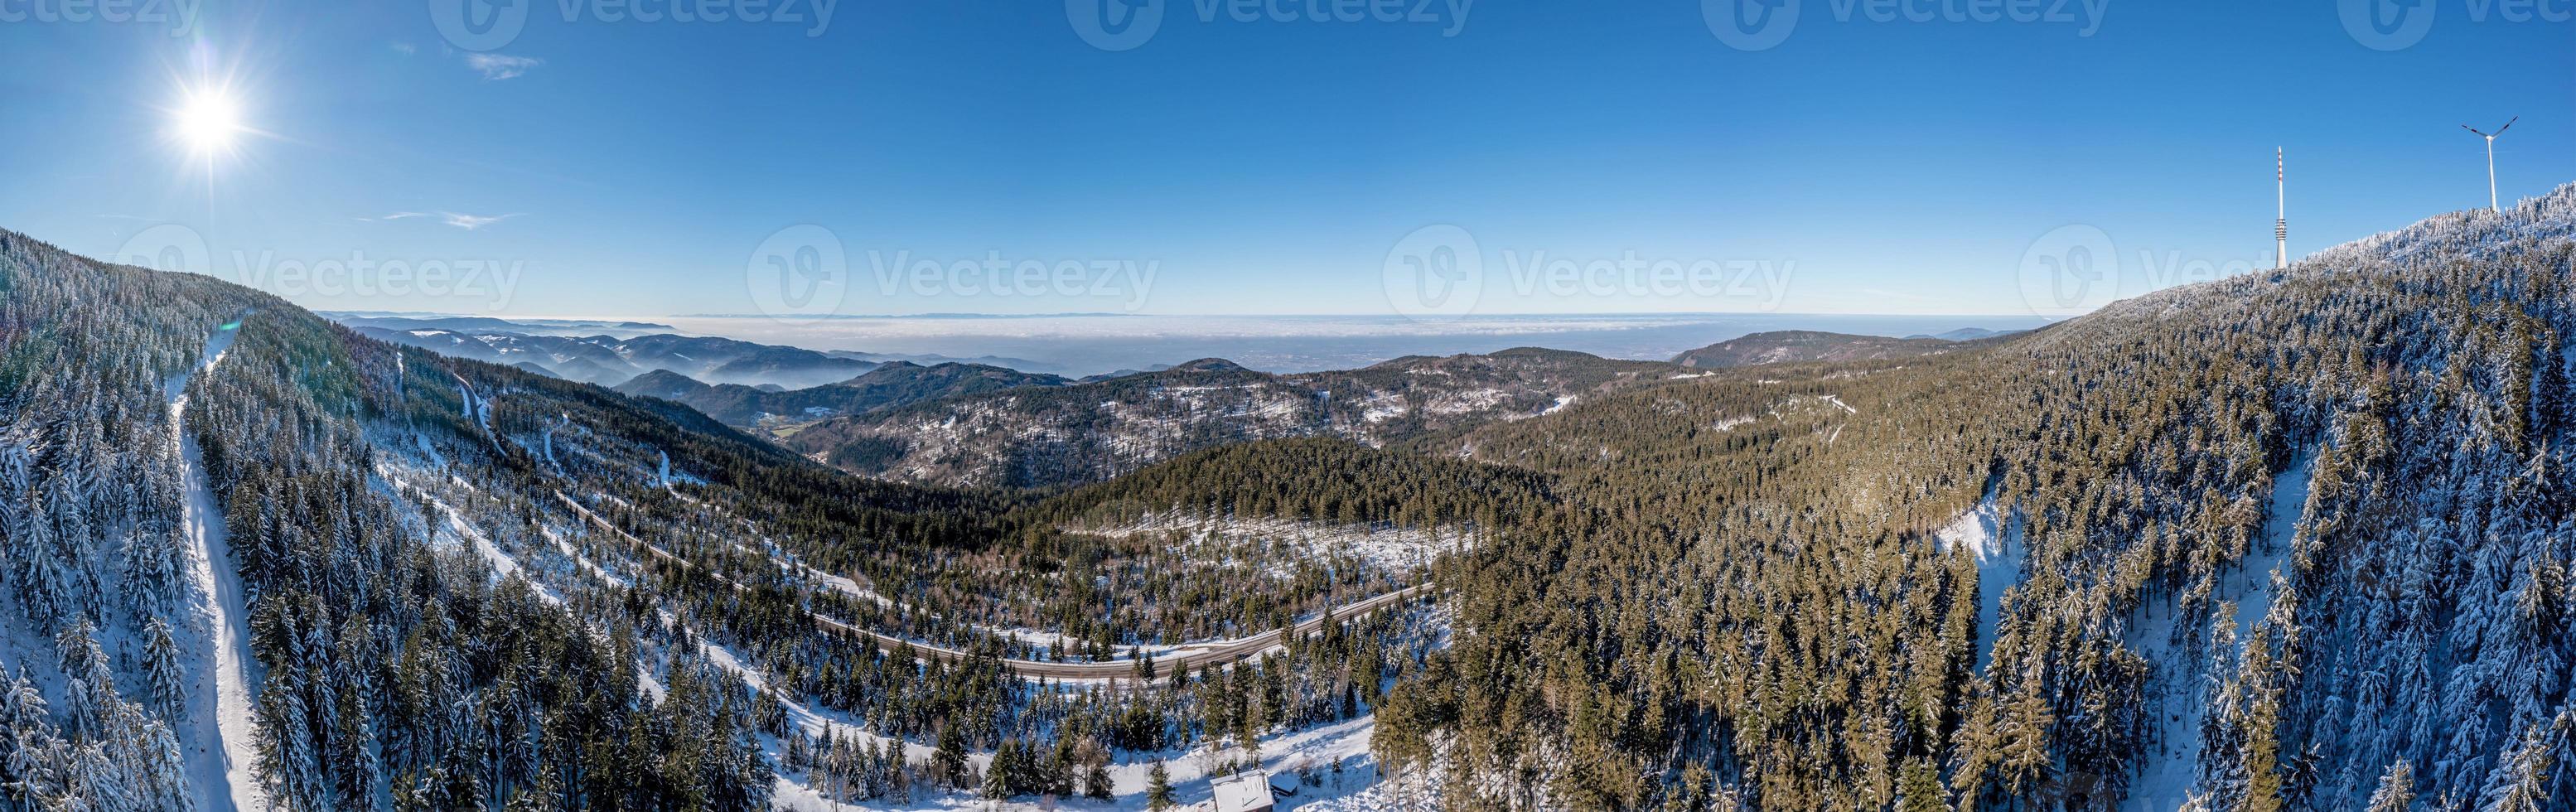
column 405, row 48
column 496, row 67
column 471, row 222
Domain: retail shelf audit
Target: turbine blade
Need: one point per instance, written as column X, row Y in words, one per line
column 2507, row 125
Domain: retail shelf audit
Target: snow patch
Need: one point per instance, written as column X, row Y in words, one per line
column 1386, row 547
column 2166, row 773
column 1999, row 552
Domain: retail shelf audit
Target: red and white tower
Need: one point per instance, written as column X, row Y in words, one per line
column 2281, row 227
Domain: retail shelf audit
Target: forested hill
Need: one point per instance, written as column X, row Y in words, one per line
column 1069, row 435
column 254, row 559
column 257, row 560
column 100, row 621
column 2293, row 540
column 1784, row 346
column 893, row 383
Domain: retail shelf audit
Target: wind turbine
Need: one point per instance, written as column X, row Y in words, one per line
column 2491, row 183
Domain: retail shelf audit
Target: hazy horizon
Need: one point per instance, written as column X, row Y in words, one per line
column 1089, row 345
column 1512, row 158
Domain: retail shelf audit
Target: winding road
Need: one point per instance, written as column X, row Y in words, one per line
column 1193, row 656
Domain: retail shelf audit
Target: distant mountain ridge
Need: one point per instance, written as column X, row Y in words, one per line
column 435, row 321
column 607, row 359
column 891, row 384
column 571, row 349
column 1056, row 435
column 2296, row 539
column 1794, row 346
column 1967, row 334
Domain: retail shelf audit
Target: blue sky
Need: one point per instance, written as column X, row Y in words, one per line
column 1264, row 166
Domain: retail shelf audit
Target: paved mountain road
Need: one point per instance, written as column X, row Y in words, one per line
column 1193, row 655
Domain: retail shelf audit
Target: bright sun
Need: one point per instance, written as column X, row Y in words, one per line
column 208, row 121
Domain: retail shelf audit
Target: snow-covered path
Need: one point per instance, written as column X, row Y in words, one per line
column 1999, row 555
column 2166, row 776
column 549, row 441
column 1189, row 655
column 216, row 740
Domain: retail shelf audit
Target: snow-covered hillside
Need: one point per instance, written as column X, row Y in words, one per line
column 1092, row 431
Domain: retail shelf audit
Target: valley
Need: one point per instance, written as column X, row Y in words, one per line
column 1606, row 580
column 1136, row 406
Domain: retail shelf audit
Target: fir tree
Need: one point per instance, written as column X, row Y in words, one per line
column 89, row 688
column 948, row 762
column 1919, row 790
column 1158, row 787
column 161, row 671
column 2396, row 792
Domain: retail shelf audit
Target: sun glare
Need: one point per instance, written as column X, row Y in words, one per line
column 208, row 121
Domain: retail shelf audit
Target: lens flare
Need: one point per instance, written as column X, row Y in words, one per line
column 207, row 121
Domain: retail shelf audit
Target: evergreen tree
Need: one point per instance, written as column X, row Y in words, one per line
column 89, row 688
column 1158, row 788
column 2524, row 781
column 1920, row 788
column 948, row 762
column 1001, row 777
column 161, row 671
column 2396, row 792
